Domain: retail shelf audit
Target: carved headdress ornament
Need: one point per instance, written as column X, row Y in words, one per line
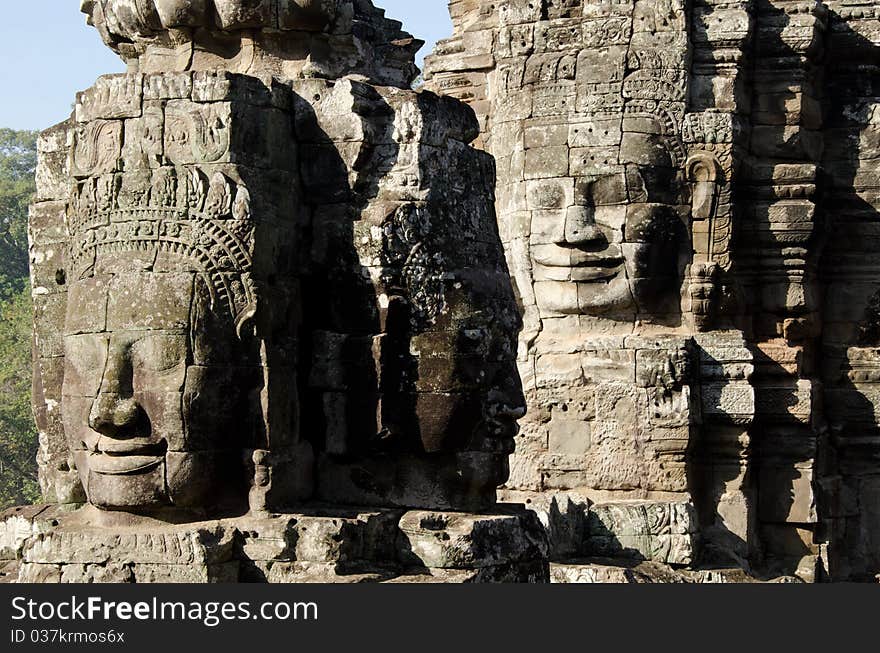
column 206, row 222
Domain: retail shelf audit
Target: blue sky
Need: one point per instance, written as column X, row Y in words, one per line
column 48, row 53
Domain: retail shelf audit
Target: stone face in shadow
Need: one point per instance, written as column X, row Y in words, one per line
column 413, row 381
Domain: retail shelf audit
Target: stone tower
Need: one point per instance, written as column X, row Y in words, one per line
column 684, row 195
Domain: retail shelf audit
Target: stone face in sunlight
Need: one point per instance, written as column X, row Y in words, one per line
column 684, row 197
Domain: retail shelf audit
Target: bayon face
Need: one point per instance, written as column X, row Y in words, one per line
column 617, row 249
column 586, row 125
column 160, row 389
column 155, row 392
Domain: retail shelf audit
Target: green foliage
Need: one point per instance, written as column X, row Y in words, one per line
column 18, row 161
column 18, row 154
column 18, row 438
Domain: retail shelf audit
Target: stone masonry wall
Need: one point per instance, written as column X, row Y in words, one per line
column 753, row 122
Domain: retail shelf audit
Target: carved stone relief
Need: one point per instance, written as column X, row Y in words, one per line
column 604, row 116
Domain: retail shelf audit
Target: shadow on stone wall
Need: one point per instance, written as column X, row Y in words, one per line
column 783, row 436
column 813, row 461
column 849, row 481
column 340, row 302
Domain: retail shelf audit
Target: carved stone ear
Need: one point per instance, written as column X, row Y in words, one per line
column 704, row 174
column 246, row 323
column 711, row 236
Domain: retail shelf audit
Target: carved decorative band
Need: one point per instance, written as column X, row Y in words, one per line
column 211, row 245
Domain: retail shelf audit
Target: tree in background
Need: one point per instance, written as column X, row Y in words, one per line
column 18, row 162
column 18, row 437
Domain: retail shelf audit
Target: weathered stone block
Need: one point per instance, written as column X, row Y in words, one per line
column 658, row 532
column 546, row 162
column 447, row 541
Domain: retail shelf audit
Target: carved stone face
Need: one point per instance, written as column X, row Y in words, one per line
column 616, row 250
column 470, row 396
column 149, row 395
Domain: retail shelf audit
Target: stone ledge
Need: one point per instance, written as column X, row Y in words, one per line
column 615, row 572
column 318, row 545
column 659, row 531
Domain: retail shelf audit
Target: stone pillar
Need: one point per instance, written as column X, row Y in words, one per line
column 849, row 465
column 779, row 268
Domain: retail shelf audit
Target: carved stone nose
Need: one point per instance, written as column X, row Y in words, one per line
column 112, row 415
column 115, row 410
column 580, row 227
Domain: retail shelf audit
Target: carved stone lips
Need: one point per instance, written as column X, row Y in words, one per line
column 556, row 256
column 121, row 457
column 593, row 273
